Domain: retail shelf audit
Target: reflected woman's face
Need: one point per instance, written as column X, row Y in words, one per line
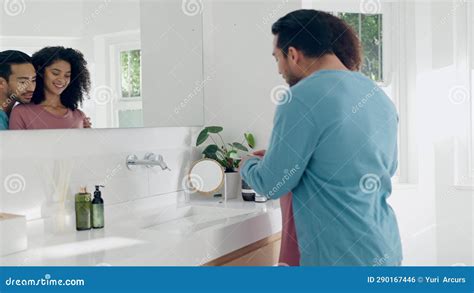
column 57, row 77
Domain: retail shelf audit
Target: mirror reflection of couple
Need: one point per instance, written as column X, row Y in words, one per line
column 43, row 91
column 329, row 165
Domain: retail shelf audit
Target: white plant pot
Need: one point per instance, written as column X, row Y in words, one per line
column 232, row 185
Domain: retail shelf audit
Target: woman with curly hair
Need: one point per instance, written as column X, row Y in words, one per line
column 348, row 49
column 62, row 82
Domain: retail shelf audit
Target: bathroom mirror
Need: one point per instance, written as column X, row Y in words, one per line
column 144, row 56
column 205, row 176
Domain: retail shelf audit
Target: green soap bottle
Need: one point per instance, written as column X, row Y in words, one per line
column 98, row 209
column 83, row 210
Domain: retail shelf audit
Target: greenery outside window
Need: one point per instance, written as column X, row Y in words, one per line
column 130, row 67
column 129, row 106
column 369, row 28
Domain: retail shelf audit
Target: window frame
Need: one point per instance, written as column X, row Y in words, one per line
column 470, row 61
column 118, row 49
column 114, row 45
column 124, row 103
column 464, row 172
column 387, row 71
column 388, row 10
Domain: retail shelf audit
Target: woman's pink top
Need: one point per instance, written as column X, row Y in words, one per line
column 289, row 252
column 33, row 116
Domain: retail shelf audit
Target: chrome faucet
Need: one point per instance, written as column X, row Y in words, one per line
column 151, row 160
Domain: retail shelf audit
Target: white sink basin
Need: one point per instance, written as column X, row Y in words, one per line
column 190, row 219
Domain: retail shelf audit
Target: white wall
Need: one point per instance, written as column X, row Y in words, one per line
column 172, row 64
column 33, row 18
column 26, row 26
column 105, row 17
column 238, row 57
column 68, row 19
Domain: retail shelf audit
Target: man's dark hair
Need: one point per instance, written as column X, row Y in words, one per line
column 317, row 33
column 9, row 58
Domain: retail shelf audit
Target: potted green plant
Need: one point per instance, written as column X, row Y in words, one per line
column 227, row 154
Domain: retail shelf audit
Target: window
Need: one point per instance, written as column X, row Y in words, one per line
column 369, row 29
column 130, row 67
column 118, row 80
column 129, row 106
column 374, row 23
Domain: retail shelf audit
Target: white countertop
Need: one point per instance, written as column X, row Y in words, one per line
column 124, row 243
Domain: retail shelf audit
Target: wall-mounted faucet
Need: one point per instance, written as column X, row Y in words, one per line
column 150, row 160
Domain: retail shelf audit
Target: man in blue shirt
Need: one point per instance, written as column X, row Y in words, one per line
column 17, row 82
column 334, row 146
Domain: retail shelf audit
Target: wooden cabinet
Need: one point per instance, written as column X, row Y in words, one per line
column 261, row 253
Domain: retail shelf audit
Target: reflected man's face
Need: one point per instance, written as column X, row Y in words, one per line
column 21, row 83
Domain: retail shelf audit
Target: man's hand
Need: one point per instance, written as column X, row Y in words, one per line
column 243, row 161
column 258, row 154
column 87, row 122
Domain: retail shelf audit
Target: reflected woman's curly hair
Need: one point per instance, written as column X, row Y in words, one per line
column 80, row 84
column 345, row 43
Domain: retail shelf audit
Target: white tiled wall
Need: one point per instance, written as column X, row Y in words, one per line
column 40, row 171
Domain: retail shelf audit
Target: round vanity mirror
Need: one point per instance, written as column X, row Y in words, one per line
column 206, row 176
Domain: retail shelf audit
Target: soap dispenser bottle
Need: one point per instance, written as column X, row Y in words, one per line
column 83, row 209
column 98, row 209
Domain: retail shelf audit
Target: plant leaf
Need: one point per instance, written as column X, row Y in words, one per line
column 233, row 155
column 229, row 165
column 214, row 129
column 202, row 137
column 240, row 146
column 210, row 151
column 221, row 154
column 230, row 152
column 250, row 140
column 222, row 162
column 236, row 164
